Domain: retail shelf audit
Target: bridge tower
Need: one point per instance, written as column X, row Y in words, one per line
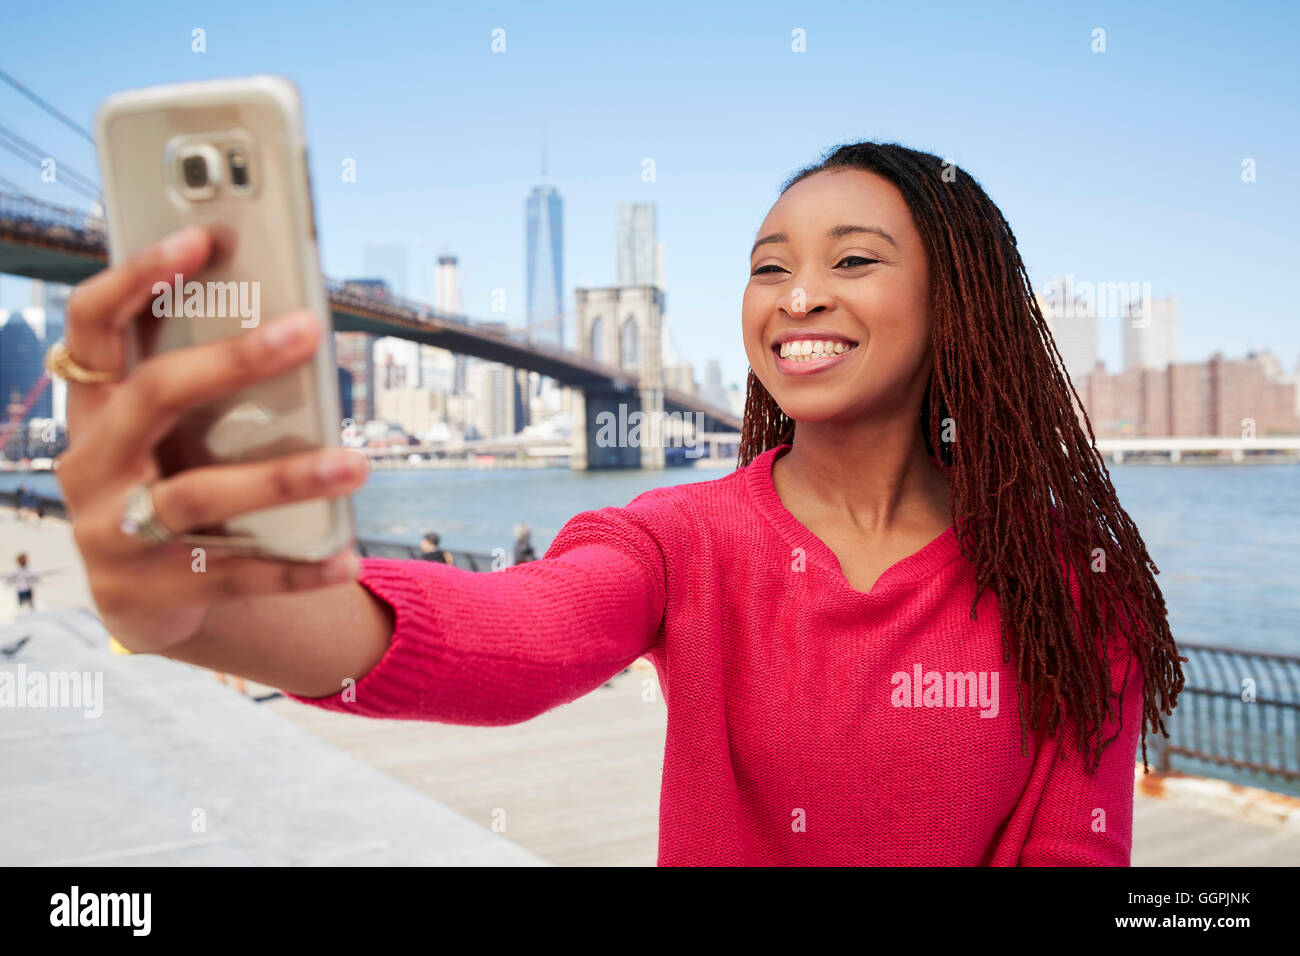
column 620, row 326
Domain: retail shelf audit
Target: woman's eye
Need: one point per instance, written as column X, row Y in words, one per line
column 854, row 262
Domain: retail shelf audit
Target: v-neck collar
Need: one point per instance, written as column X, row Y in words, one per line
column 940, row 552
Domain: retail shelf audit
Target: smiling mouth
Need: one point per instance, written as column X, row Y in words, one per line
column 807, row 350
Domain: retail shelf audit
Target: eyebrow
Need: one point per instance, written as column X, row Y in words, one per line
column 836, row 232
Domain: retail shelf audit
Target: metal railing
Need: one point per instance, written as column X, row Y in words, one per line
column 1238, row 710
column 469, row 560
column 41, row 221
column 52, row 507
column 48, row 506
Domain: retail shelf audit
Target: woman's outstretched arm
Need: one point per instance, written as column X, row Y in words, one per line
column 414, row 639
column 426, row 641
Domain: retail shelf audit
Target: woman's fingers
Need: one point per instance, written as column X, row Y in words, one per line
column 100, row 309
column 182, row 575
column 201, row 497
column 198, row 498
column 157, row 595
column 237, row 577
column 143, row 409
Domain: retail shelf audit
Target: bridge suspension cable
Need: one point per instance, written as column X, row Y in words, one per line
column 16, row 189
column 29, row 151
column 550, row 323
column 62, row 118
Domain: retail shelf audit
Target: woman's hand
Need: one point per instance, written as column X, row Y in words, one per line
column 148, row 595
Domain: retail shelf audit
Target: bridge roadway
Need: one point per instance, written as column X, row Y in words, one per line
column 40, row 241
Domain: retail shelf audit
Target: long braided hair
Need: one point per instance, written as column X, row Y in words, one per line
column 1031, row 498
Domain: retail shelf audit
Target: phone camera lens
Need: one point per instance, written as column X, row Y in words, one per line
column 195, row 170
column 238, row 160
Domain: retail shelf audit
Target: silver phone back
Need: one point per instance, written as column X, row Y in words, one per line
column 267, row 264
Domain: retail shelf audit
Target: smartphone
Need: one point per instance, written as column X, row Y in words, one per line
column 230, row 156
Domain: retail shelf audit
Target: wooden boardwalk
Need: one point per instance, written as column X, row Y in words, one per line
column 1166, row 834
column 579, row 786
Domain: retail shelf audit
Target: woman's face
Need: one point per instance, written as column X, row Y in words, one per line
column 840, row 268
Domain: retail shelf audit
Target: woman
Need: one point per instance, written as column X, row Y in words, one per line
column 920, row 525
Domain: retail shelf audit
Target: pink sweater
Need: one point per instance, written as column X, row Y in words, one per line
column 808, row 723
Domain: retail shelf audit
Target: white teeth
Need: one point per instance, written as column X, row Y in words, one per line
column 804, row 349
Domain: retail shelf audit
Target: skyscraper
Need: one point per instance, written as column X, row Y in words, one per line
column 544, row 255
column 1151, row 334
column 492, row 385
column 387, row 261
column 53, row 298
column 356, row 356
column 714, row 392
column 22, row 358
column 440, row 369
column 1072, row 320
column 636, row 244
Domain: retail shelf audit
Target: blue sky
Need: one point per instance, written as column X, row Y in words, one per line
column 1115, row 166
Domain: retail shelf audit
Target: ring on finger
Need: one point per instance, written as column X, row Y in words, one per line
column 59, row 363
column 140, row 521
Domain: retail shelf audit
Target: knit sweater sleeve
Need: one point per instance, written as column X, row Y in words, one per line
column 1083, row 818
column 501, row 647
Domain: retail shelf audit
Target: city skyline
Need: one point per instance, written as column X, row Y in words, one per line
column 396, row 388
column 705, row 121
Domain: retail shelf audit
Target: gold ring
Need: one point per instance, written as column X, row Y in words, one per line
column 60, row 364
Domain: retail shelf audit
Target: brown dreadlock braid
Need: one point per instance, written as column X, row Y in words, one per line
column 1021, row 451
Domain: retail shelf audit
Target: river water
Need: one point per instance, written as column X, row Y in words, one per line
column 1225, row 538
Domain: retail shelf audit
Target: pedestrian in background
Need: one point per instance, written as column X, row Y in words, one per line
column 430, row 551
column 23, row 579
column 523, row 545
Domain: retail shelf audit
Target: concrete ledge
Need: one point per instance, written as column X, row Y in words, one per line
column 1235, row 801
column 180, row 771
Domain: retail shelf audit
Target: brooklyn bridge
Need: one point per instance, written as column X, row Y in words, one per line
column 39, row 240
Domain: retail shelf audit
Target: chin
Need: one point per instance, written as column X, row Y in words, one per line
column 806, row 409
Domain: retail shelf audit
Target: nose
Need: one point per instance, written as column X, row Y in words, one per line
column 806, row 297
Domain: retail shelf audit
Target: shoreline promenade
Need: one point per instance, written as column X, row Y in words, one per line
column 183, row 770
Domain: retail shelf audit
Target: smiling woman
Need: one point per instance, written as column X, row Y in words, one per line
column 952, row 405
column 909, row 532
